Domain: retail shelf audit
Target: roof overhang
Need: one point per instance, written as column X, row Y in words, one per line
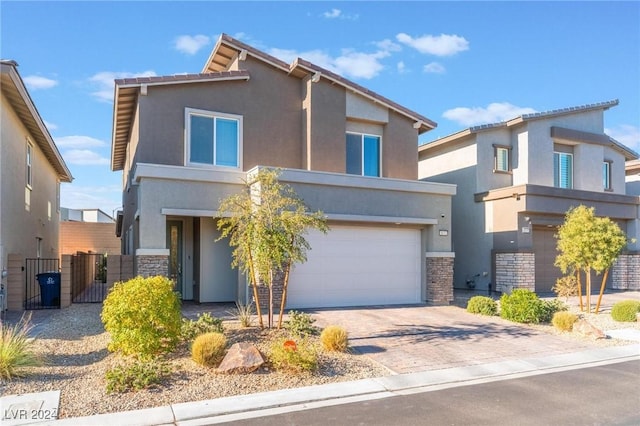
column 14, row 90
column 126, row 100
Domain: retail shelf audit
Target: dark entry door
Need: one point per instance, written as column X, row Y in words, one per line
column 175, row 245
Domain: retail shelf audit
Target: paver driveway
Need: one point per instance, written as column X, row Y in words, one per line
column 418, row 338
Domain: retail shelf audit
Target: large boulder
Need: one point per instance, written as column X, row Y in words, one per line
column 585, row 328
column 241, row 358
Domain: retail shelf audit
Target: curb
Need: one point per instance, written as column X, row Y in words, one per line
column 296, row 399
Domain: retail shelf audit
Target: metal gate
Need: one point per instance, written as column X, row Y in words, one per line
column 42, row 284
column 88, row 278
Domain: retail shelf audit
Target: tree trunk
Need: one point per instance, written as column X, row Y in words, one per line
column 270, row 298
column 284, row 294
column 588, row 289
column 580, row 290
column 254, row 284
column 604, row 283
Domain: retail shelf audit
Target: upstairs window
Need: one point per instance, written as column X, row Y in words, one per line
column 606, row 175
column 562, row 170
column 213, row 139
column 363, row 154
column 29, row 159
column 502, row 159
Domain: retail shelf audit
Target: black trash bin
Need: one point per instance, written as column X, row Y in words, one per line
column 49, row 288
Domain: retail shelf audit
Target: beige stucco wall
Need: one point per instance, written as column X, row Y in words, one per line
column 21, row 227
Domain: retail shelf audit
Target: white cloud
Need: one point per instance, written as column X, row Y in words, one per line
column 442, row 45
column 350, row 63
column 104, row 82
column 50, row 126
column 435, row 68
column 337, row 14
column 493, row 113
column 190, row 45
column 626, row 134
column 77, row 141
column 106, row 198
column 333, row 13
column 401, row 67
column 35, row 82
column 388, row 45
column 84, row 157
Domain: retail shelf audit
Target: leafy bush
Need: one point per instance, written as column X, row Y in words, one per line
column 136, row 376
column 550, row 307
column 205, row 323
column 143, row 316
column 563, row 320
column 296, row 359
column 208, row 349
column 482, row 305
column 566, row 286
column 334, row 338
column 300, row 324
column 523, row 306
column 625, row 310
column 16, row 349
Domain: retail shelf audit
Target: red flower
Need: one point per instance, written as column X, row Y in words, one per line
column 290, row 345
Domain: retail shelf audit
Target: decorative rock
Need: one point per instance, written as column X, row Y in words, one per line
column 584, row 327
column 241, row 358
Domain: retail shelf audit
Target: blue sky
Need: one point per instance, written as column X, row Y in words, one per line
column 458, row 63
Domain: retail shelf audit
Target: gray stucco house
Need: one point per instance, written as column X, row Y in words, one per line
column 185, row 142
column 31, row 170
column 516, row 180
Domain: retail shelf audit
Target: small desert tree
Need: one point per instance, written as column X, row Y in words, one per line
column 586, row 243
column 266, row 224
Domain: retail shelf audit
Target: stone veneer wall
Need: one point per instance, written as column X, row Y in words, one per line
column 439, row 280
column 515, row 270
column 149, row 266
column 625, row 273
column 263, row 294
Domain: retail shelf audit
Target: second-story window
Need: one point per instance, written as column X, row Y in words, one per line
column 606, row 175
column 363, row 154
column 213, row 139
column 502, row 156
column 562, row 170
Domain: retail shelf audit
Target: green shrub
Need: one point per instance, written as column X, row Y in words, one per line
column 563, row 320
column 625, row 310
column 566, row 286
column 550, row 307
column 302, row 357
column 143, row 316
column 17, row 349
column 300, row 324
column 136, row 376
column 482, row 305
column 204, row 324
column 523, row 306
column 334, row 338
column 208, row 349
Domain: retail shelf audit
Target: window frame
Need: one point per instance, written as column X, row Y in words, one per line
column 214, row 115
column 362, row 153
column 556, row 176
column 606, row 175
column 29, row 165
column 496, row 149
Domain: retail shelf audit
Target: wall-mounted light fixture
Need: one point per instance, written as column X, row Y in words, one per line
column 443, row 232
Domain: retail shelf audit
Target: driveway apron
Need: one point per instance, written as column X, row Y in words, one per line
column 408, row 339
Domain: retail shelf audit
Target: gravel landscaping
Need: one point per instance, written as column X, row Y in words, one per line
column 74, row 343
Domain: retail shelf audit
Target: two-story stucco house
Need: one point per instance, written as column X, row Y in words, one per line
column 31, row 169
column 516, row 180
column 185, row 142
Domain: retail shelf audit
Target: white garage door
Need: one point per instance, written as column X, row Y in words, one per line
column 356, row 266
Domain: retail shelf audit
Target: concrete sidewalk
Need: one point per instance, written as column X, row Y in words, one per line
column 262, row 404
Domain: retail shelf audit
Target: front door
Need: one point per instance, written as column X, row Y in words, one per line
column 174, row 242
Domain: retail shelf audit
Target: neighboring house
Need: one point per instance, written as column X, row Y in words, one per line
column 31, row 169
column 88, row 231
column 516, row 180
column 185, row 142
column 632, row 170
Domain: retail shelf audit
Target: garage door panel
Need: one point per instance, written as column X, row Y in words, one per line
column 353, row 266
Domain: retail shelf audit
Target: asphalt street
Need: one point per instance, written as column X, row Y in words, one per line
column 603, row 395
